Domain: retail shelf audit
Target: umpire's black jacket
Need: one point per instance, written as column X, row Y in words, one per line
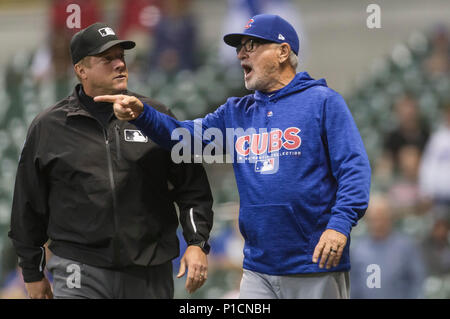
column 102, row 196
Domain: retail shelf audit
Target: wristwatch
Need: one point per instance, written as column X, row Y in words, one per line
column 203, row 245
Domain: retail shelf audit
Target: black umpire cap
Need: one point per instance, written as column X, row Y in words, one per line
column 95, row 39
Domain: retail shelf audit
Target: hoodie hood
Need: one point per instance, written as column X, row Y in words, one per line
column 300, row 82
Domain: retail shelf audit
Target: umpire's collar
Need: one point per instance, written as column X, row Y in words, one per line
column 75, row 106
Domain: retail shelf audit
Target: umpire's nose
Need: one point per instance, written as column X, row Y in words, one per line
column 119, row 64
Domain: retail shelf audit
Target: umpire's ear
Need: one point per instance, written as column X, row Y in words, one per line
column 80, row 68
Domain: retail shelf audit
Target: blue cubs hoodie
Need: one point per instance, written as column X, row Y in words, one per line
column 300, row 167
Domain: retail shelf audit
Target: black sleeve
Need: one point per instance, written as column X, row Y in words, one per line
column 192, row 193
column 29, row 216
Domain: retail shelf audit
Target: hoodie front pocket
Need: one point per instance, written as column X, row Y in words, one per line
column 271, row 232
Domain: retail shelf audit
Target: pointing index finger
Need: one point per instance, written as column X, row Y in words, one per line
column 107, row 98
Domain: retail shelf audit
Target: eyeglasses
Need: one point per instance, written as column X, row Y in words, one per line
column 250, row 45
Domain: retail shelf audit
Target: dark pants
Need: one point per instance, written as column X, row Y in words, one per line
column 75, row 280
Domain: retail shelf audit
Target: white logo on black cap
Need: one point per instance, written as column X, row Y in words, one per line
column 106, row 31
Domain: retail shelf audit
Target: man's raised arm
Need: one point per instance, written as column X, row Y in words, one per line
column 160, row 127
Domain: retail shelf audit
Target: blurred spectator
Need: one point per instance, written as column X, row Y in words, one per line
column 404, row 192
column 383, row 174
column 438, row 61
column 175, row 38
column 138, row 16
column 397, row 256
column 137, row 21
column 410, row 129
column 436, row 247
column 434, row 176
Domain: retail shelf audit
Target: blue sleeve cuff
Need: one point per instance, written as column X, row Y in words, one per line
column 341, row 225
column 146, row 113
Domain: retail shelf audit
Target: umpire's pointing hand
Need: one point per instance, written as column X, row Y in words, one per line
column 126, row 107
column 329, row 249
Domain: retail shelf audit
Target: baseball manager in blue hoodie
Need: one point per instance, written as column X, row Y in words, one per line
column 301, row 168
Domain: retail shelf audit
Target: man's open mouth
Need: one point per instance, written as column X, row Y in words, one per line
column 247, row 70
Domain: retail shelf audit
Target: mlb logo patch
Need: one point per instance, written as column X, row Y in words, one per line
column 265, row 165
column 106, row 31
column 135, row 136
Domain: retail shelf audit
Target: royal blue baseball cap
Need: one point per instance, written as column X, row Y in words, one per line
column 268, row 27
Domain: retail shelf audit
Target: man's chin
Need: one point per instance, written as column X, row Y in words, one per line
column 119, row 89
column 249, row 86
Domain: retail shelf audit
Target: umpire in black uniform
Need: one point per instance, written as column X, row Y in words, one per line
column 104, row 194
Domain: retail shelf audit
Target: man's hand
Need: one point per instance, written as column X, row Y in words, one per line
column 197, row 263
column 330, row 246
column 126, row 107
column 39, row 289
